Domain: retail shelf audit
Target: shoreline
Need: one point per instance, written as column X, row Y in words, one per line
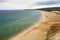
column 25, row 31
column 39, row 30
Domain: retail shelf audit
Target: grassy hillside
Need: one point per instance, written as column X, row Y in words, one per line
column 50, row 9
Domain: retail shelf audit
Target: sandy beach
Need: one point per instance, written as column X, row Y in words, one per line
column 39, row 30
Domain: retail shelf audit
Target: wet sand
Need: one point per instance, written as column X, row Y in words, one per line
column 39, row 30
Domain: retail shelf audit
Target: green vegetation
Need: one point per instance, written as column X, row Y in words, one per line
column 55, row 9
column 57, row 13
column 50, row 9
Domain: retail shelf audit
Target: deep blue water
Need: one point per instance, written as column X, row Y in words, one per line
column 15, row 21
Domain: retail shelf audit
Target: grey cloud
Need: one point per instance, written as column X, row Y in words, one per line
column 48, row 2
column 3, row 0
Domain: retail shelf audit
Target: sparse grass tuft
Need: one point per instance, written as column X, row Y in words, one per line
column 57, row 13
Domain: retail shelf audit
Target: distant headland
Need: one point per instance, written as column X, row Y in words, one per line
column 50, row 9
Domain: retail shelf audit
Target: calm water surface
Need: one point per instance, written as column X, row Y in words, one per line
column 15, row 21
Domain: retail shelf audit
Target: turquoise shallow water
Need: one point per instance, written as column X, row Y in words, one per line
column 15, row 21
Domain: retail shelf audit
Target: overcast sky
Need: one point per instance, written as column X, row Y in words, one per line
column 28, row 4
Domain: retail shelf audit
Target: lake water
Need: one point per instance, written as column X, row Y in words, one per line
column 15, row 21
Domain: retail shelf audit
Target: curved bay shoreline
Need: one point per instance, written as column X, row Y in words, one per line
column 39, row 30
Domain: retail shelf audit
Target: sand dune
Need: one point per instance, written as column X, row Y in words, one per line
column 39, row 30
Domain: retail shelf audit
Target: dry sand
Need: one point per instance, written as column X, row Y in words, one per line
column 39, row 30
